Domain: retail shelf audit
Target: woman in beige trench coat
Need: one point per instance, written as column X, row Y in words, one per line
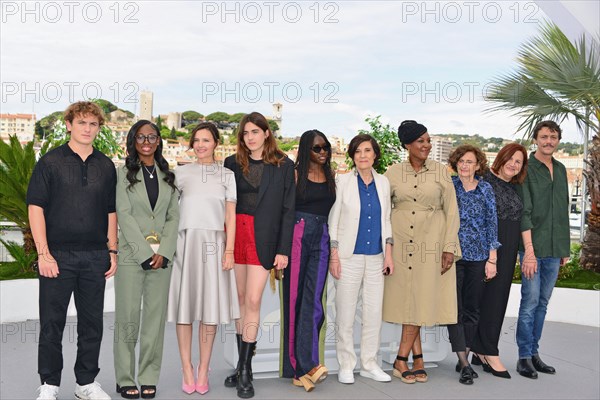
column 425, row 223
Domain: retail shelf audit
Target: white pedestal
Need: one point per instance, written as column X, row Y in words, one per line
column 266, row 362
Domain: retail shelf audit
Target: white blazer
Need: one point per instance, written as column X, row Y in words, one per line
column 345, row 214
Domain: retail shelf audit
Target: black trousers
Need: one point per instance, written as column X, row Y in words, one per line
column 80, row 273
column 497, row 291
column 469, row 290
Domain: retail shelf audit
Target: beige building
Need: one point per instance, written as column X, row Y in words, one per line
column 146, row 104
column 21, row 125
column 119, row 117
column 339, row 144
column 441, row 148
column 174, row 120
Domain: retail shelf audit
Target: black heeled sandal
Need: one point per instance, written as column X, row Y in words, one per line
column 423, row 378
column 488, row 368
column 124, row 392
column 475, row 360
column 151, row 389
column 406, row 375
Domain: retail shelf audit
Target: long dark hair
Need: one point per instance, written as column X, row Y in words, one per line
column 132, row 161
column 303, row 161
column 271, row 153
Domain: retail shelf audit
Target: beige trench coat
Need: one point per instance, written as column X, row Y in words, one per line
column 425, row 223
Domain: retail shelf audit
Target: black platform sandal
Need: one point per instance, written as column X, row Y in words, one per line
column 407, row 376
column 423, row 378
column 148, row 391
column 124, row 392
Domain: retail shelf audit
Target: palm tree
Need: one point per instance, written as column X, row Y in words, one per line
column 556, row 79
column 16, row 166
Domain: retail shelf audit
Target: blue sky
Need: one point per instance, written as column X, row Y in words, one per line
column 330, row 64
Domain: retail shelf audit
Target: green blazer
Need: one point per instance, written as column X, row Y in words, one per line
column 137, row 219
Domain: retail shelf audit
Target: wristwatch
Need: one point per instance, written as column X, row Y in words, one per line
column 113, row 251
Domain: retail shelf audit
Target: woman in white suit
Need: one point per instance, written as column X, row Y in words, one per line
column 361, row 254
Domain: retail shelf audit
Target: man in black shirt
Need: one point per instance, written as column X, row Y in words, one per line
column 71, row 203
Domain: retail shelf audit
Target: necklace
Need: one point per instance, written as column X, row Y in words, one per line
column 148, row 171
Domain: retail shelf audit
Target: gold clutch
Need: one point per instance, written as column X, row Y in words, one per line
column 153, row 240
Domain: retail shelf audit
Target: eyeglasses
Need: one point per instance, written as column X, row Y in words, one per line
column 467, row 162
column 318, row 149
column 486, row 280
column 150, row 138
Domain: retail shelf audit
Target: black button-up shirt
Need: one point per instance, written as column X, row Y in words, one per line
column 76, row 196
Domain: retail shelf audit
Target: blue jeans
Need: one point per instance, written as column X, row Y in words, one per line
column 535, row 295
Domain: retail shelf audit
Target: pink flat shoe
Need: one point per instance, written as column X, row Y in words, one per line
column 202, row 389
column 189, row 389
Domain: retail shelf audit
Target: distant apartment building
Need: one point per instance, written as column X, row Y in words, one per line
column 21, row 125
column 177, row 152
column 570, row 162
column 440, row 149
column 224, row 151
column 120, row 131
column 120, row 116
column 146, row 103
column 339, row 144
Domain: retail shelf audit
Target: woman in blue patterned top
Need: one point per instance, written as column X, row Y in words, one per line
column 478, row 236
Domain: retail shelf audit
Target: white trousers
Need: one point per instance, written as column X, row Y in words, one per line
column 366, row 273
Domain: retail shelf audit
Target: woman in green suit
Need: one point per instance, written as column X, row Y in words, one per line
column 148, row 215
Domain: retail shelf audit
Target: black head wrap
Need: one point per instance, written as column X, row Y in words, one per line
column 409, row 131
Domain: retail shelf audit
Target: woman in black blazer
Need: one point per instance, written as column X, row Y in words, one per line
column 264, row 226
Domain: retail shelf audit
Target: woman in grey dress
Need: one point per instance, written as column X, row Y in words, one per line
column 203, row 286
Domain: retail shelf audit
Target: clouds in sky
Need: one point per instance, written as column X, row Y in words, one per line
column 330, row 63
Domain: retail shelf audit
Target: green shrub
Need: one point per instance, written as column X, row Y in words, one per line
column 10, row 270
column 22, row 264
column 17, row 251
column 567, row 271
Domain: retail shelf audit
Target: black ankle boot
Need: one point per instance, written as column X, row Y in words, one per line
column 526, row 369
column 541, row 366
column 245, row 390
column 231, row 380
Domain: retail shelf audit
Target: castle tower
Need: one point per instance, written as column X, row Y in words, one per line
column 146, row 100
column 277, row 108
